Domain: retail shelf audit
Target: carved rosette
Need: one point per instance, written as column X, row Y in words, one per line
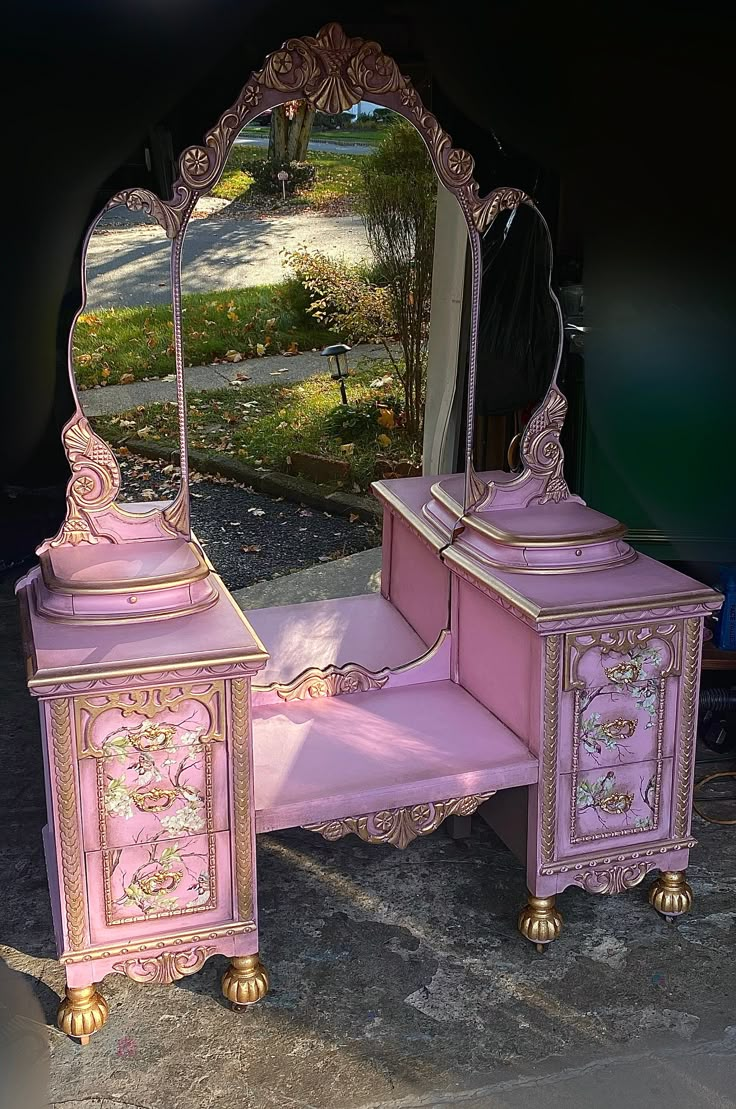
column 331, row 682
column 162, row 970
column 93, row 486
column 398, row 827
column 616, row 879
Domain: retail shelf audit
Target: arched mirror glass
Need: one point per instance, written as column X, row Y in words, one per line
column 122, row 354
column 310, row 272
column 519, row 335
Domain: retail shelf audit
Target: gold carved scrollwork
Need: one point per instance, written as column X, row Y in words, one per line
column 540, row 446
column 149, row 703
column 331, row 682
column 162, row 970
column 399, row 827
column 93, row 485
column 617, row 879
column 620, row 640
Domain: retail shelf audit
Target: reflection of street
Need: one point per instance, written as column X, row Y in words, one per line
column 324, row 145
column 131, row 266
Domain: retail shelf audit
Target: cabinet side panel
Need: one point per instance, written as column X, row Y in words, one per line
column 419, row 585
column 498, row 662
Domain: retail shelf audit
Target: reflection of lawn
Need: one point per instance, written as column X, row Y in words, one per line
column 337, row 177
column 264, row 424
column 112, row 343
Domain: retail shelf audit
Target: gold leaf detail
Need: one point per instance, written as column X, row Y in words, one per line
column 688, row 711
column 549, row 754
column 331, row 682
column 166, row 968
column 66, row 799
column 398, row 827
column 617, row 879
column 241, row 796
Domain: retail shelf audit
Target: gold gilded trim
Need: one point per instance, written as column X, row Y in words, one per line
column 619, row 640
column 428, row 533
column 109, row 951
column 452, row 556
column 583, row 862
column 133, row 585
column 398, row 827
column 688, row 712
column 164, row 969
column 66, row 801
column 149, row 702
column 548, row 780
column 241, row 795
column 616, row 879
column 512, row 539
column 350, row 677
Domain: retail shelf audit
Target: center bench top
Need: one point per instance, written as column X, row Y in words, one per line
column 331, row 757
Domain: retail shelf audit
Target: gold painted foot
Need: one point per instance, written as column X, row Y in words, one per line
column 245, row 981
column 82, row 1013
column 539, row 921
column 670, row 894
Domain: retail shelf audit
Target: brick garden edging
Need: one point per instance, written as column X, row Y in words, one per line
column 271, row 482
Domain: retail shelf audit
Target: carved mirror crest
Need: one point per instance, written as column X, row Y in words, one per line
column 332, row 72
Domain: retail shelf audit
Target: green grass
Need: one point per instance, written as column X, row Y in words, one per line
column 338, row 176
column 111, row 344
column 264, row 424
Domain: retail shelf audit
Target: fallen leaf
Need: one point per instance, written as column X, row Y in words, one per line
column 233, row 356
column 126, row 379
column 260, row 349
column 257, row 511
column 347, row 448
column 353, row 517
column 252, row 548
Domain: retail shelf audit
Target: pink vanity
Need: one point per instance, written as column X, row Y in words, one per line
column 520, row 659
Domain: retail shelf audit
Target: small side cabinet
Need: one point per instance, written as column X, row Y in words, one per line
column 150, row 842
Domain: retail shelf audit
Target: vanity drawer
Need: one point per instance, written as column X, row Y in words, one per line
column 618, row 704
column 630, row 803
column 138, row 796
column 156, row 888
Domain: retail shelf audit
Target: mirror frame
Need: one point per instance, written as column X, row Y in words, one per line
column 333, row 72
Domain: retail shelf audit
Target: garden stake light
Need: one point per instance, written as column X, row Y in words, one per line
column 338, row 363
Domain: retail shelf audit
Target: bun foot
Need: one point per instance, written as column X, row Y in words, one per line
column 82, row 1013
column 539, row 921
column 670, row 894
column 245, row 981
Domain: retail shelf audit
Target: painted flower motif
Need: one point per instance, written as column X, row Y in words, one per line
column 186, row 821
column 189, row 739
column 597, row 734
column 118, row 799
column 201, row 886
column 603, row 796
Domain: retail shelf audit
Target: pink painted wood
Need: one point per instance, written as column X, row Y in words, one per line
column 150, row 846
column 326, row 758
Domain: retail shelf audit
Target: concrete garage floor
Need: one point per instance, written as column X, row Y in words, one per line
column 398, row 980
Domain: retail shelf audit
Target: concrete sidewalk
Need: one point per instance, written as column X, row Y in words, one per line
column 259, row 371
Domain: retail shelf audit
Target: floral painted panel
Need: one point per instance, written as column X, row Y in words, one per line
column 156, row 780
column 619, row 709
column 621, row 801
column 143, row 882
